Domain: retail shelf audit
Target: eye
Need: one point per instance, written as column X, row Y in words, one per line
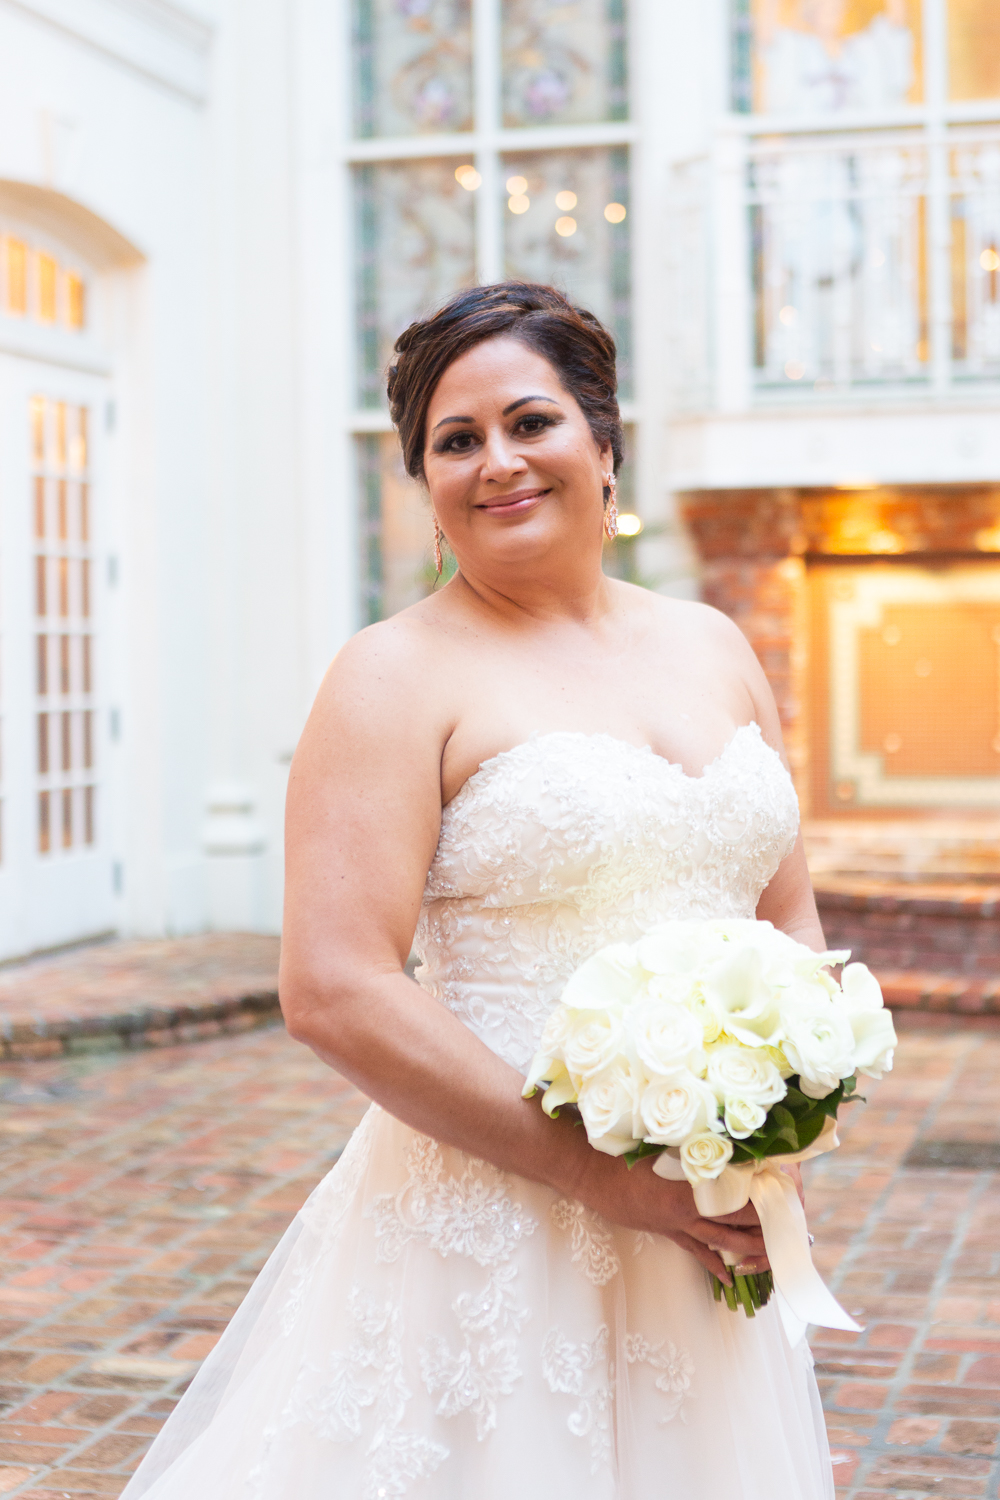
column 458, row 442
column 535, row 421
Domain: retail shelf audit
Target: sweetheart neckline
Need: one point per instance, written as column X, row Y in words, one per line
column 599, row 734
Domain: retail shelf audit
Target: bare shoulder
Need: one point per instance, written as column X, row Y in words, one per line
column 396, row 663
column 385, row 696
column 713, row 648
column 696, row 624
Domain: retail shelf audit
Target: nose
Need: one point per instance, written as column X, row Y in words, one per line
column 500, row 458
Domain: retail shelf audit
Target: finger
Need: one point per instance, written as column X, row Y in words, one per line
column 739, row 1242
column 752, row 1264
column 742, row 1218
column 702, row 1253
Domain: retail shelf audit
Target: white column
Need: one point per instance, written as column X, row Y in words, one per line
column 487, row 43
column 731, row 301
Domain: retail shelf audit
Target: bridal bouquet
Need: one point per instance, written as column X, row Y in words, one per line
column 724, row 1048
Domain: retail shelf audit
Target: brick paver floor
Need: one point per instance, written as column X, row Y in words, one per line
column 142, row 1191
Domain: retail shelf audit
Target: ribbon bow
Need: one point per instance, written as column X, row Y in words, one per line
column 802, row 1296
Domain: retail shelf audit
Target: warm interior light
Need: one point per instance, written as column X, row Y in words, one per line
column 788, row 315
column 861, row 482
column 990, row 260
column 518, row 203
column 629, row 524
column 565, row 226
column 466, row 176
column 517, row 185
column 615, row 212
column 794, row 370
column 565, row 201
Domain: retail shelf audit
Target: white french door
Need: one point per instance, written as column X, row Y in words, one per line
column 56, row 871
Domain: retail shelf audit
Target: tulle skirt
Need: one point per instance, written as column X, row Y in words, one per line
column 431, row 1327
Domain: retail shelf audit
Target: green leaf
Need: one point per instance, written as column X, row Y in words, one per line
column 643, row 1149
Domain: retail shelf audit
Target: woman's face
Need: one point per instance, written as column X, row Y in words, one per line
column 511, row 463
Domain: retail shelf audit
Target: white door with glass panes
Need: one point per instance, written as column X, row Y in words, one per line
column 56, row 876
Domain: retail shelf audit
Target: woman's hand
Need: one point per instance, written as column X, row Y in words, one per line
column 639, row 1199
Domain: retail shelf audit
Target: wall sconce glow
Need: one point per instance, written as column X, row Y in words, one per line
column 466, row 176
column 615, row 212
column 629, row 524
column 794, row 370
column 859, row 482
column 990, row 260
column 565, row 226
column 518, row 203
column 565, row 201
column 517, row 185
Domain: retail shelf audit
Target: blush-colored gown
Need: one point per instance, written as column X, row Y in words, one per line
column 433, row 1328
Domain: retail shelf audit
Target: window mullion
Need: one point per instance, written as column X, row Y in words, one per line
column 486, row 64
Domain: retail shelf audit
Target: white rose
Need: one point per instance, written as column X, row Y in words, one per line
column 666, row 1037
column 871, row 1023
column 705, row 1156
column 744, row 1073
column 555, row 1032
column 593, row 1040
column 607, row 1104
column 671, row 1109
column 745, row 1002
column 742, row 1118
column 820, row 1047
column 608, row 981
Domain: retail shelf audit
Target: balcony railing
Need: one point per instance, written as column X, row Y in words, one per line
column 841, row 265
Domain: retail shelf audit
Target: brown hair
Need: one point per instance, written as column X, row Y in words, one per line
column 578, row 347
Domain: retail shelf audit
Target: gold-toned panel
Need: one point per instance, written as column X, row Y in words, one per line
column 824, row 56
column 904, row 687
column 974, row 49
column 17, row 277
column 929, row 682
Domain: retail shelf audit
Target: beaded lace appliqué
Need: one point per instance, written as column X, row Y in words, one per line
column 538, row 866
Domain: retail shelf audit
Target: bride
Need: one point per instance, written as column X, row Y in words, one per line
column 533, row 762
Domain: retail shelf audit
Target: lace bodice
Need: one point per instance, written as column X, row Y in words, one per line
column 571, row 841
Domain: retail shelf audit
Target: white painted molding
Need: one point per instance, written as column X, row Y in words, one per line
column 160, row 41
column 231, row 826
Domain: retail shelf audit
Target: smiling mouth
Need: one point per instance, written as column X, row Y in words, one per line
column 509, row 504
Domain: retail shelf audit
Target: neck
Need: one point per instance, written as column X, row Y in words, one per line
column 579, row 594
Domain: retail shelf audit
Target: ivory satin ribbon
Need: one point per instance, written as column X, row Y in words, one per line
column 803, row 1296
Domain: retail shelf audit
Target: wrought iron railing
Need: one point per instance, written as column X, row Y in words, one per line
column 839, row 264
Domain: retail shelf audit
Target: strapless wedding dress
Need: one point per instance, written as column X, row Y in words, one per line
column 434, row 1328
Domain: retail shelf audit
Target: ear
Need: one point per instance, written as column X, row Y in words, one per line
column 607, row 458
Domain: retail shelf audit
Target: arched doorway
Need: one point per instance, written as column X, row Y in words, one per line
column 59, row 709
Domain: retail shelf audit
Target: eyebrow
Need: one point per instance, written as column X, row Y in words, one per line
column 505, row 413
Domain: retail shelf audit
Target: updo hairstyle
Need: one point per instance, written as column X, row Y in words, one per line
column 578, row 347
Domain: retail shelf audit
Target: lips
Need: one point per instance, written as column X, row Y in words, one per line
column 510, row 504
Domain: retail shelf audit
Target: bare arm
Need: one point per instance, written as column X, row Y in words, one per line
column 787, row 901
column 362, row 825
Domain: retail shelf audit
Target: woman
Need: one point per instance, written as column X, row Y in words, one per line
column 533, row 762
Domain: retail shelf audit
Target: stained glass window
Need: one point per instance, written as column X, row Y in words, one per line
column 415, row 246
column 412, row 66
column 397, row 530
column 819, row 57
column 566, row 222
column 974, row 49
column 564, row 61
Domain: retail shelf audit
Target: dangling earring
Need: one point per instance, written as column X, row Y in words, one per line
column 611, row 509
column 438, row 559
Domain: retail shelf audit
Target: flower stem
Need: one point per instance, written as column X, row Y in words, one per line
column 749, row 1292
